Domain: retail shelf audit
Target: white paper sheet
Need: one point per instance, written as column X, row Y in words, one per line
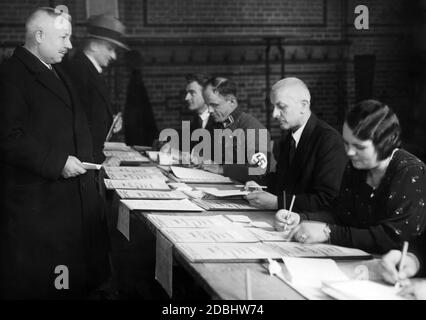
column 176, row 221
column 196, row 175
column 361, row 290
column 147, row 194
column 136, row 169
column 311, row 272
column 209, row 235
column 161, row 205
column 268, row 235
column 225, row 205
column 296, row 249
column 224, row 193
column 126, row 155
column 153, row 184
column 91, row 166
column 221, row 252
column 136, row 176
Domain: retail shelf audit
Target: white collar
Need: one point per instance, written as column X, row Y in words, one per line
column 205, row 115
column 94, row 62
column 298, row 133
column 49, row 66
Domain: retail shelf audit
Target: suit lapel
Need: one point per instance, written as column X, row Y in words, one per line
column 302, row 150
column 43, row 75
column 50, row 82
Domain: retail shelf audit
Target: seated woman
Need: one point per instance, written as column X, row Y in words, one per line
column 383, row 192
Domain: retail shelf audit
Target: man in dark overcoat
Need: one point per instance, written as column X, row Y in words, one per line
column 53, row 237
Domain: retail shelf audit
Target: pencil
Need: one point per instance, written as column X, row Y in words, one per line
column 292, row 202
column 248, row 285
column 250, row 187
column 401, row 263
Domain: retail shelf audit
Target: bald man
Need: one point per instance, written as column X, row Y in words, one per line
column 53, row 235
column 312, row 158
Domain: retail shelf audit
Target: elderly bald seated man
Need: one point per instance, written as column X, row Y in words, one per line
column 311, row 159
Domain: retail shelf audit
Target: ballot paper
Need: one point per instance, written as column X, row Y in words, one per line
column 269, row 235
column 176, row 221
column 239, row 218
column 225, row 205
column 224, row 193
column 189, row 175
column 91, row 166
column 136, row 176
column 161, row 205
column 147, row 194
column 133, row 169
column 218, row 234
column 296, row 249
column 126, row 155
column 311, row 272
column 225, row 252
column 152, row 184
column 360, row 290
column 180, row 186
column 116, row 146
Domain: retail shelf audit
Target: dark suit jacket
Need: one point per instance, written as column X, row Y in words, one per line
column 93, row 93
column 259, row 141
column 46, row 220
column 317, row 168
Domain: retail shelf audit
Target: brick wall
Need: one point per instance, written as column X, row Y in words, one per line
column 176, row 37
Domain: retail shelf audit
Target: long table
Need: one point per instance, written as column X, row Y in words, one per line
column 226, row 280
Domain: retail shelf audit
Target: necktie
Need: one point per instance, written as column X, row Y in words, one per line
column 292, row 150
column 199, row 122
column 54, row 72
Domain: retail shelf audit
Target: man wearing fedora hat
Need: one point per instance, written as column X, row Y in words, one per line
column 104, row 35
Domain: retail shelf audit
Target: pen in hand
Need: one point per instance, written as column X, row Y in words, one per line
column 401, row 264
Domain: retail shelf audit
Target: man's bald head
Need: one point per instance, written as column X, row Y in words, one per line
column 291, row 100
column 47, row 34
column 294, row 87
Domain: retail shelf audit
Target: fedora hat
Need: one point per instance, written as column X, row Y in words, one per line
column 107, row 28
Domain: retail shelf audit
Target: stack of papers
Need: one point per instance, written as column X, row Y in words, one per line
column 166, row 221
column 189, row 175
column 128, row 156
column 224, row 193
column 209, row 235
column 153, row 184
column 225, row 205
column 150, row 195
column 225, row 252
column 161, row 205
column 136, row 176
column 318, row 250
column 129, row 170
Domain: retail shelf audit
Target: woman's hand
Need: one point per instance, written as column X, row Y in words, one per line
column 286, row 220
column 310, row 232
column 390, row 262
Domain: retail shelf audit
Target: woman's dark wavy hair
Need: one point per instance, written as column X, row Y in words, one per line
column 373, row 120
